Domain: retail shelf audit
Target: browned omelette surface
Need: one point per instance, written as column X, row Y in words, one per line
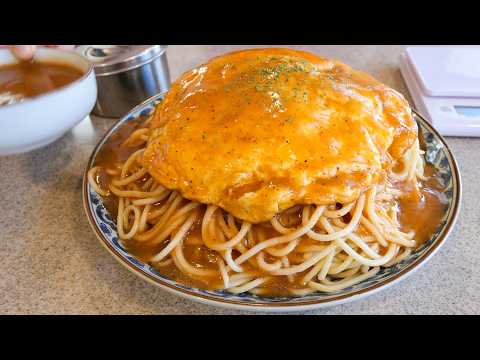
column 258, row 131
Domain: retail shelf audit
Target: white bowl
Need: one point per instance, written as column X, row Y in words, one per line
column 40, row 120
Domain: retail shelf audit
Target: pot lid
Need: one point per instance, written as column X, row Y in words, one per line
column 112, row 59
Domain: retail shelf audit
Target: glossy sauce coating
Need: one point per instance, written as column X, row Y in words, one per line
column 27, row 79
column 259, row 131
column 422, row 212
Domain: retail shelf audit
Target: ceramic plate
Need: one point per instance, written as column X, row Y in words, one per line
column 437, row 153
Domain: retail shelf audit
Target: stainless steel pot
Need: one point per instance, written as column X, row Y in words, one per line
column 126, row 75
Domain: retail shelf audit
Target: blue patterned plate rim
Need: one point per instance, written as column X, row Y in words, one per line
column 253, row 302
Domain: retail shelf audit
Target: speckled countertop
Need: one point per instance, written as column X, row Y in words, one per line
column 52, row 263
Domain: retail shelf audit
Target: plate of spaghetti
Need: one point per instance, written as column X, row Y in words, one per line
column 273, row 179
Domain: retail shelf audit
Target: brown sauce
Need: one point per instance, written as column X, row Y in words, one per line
column 421, row 213
column 29, row 79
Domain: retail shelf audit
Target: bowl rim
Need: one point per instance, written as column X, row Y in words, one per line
column 307, row 304
column 31, row 99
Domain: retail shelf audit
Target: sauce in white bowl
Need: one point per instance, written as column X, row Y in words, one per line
column 43, row 102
